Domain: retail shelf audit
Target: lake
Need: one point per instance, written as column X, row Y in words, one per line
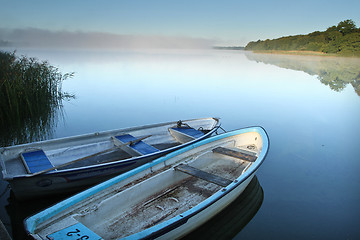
column 308, row 186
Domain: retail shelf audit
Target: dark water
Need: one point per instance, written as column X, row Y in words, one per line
column 310, row 107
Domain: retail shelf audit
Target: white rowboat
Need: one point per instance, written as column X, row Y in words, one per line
column 69, row 164
column 166, row 198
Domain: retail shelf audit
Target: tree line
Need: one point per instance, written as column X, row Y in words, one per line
column 342, row 39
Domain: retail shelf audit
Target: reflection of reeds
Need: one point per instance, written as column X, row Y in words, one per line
column 30, row 98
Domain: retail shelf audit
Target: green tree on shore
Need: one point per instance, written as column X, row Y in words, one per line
column 342, row 39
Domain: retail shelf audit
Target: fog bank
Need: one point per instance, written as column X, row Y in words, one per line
column 39, row 38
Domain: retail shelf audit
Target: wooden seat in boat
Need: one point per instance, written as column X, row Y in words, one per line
column 138, row 148
column 218, row 180
column 36, row 161
column 185, row 134
column 190, row 132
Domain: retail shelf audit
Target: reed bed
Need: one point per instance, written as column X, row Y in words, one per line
column 30, row 98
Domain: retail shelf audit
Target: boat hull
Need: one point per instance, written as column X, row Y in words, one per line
column 70, row 180
column 160, row 199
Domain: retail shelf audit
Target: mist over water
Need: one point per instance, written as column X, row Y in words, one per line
column 39, row 38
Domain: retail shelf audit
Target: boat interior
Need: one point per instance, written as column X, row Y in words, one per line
column 166, row 191
column 94, row 150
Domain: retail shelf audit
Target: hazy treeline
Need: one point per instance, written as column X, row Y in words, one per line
column 41, row 38
column 342, row 39
column 228, row 48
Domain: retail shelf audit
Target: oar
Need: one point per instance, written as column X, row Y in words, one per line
column 89, row 156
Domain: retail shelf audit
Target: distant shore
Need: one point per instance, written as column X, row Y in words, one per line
column 342, row 40
column 228, row 48
column 302, row 53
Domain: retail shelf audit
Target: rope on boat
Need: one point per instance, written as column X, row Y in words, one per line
column 218, row 129
column 180, row 123
column 222, row 129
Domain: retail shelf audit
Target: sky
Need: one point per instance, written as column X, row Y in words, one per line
column 132, row 23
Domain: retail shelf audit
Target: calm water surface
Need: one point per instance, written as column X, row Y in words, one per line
column 308, row 187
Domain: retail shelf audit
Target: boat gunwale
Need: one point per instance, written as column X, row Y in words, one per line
column 106, row 132
column 100, row 166
column 32, row 222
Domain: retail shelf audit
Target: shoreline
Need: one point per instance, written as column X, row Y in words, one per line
column 298, row 52
column 302, row 53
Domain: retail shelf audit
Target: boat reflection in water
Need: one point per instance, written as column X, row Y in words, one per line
column 229, row 222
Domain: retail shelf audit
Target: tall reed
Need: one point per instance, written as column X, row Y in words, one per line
column 30, row 98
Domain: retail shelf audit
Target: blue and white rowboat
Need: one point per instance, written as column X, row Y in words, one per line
column 166, row 198
column 68, row 164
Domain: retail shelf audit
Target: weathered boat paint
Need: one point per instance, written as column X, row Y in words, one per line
column 182, row 223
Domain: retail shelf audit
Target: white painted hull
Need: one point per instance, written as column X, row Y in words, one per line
column 166, row 198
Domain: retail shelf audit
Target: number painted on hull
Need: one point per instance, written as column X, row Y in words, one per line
column 74, row 232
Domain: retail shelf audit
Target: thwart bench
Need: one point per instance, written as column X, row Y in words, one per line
column 185, row 134
column 137, row 149
column 36, row 161
column 236, row 153
column 218, row 180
